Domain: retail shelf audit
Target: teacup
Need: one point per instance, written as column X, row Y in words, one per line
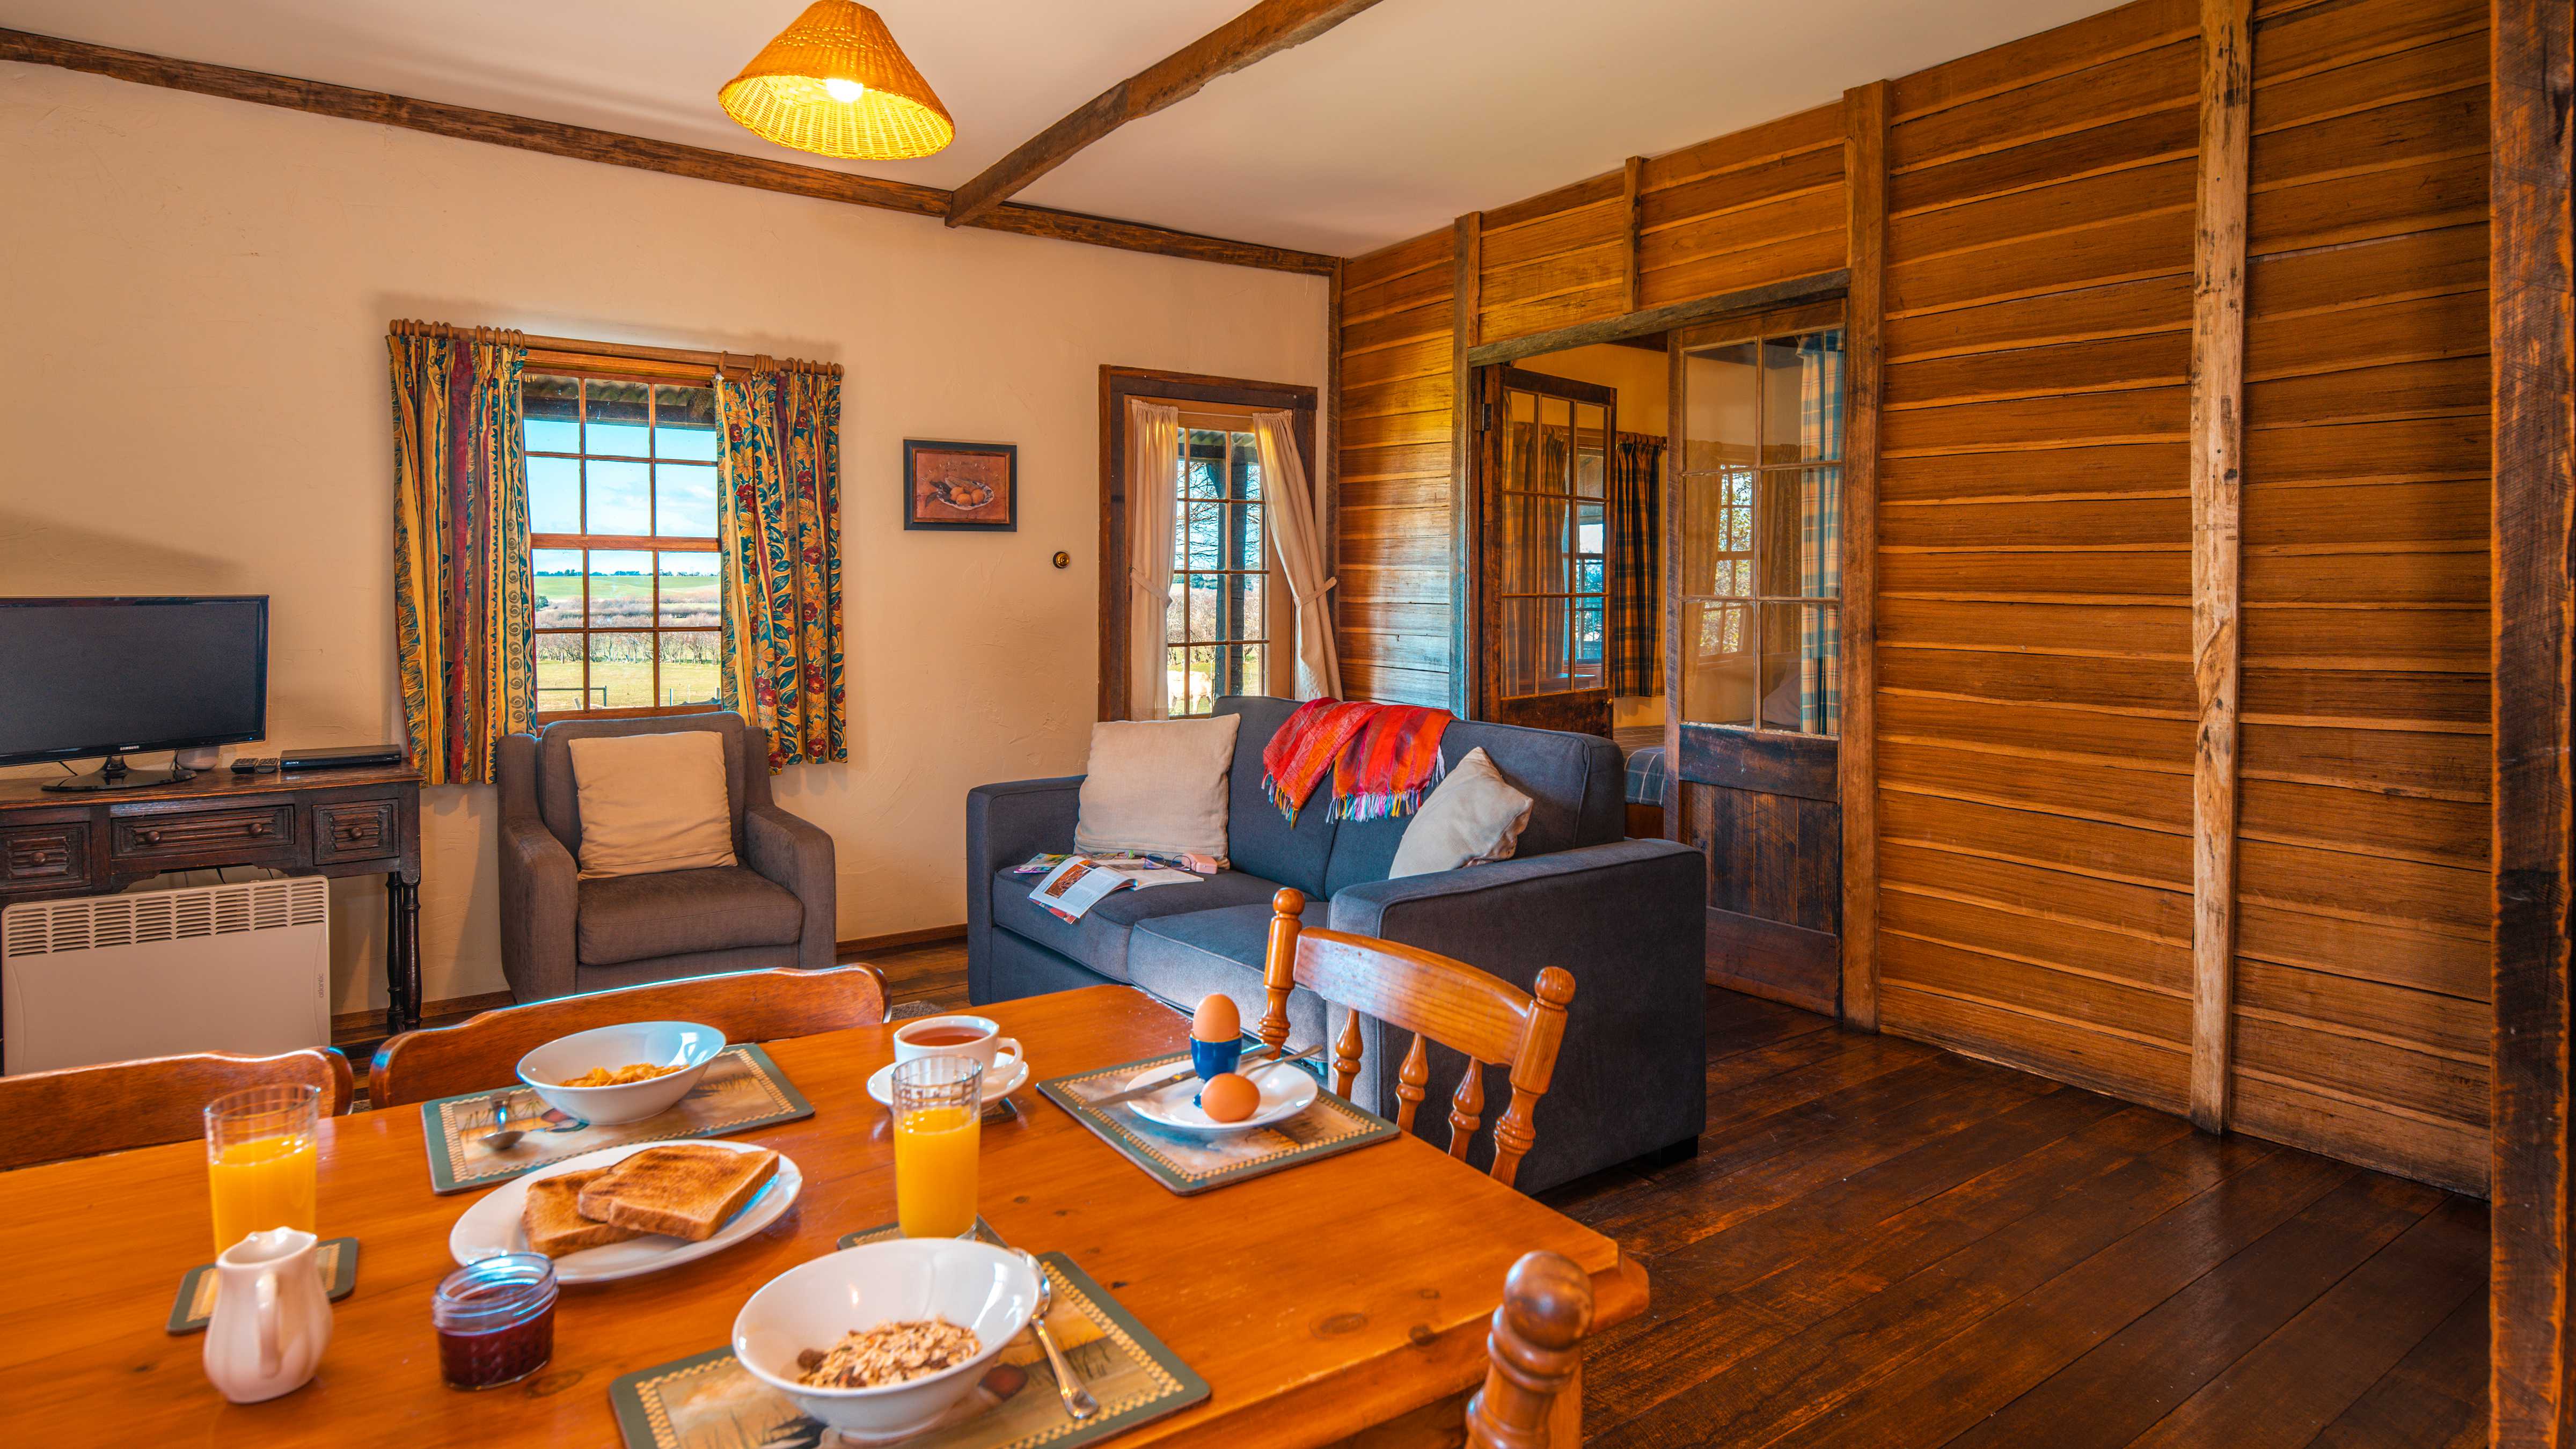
column 955, row 1036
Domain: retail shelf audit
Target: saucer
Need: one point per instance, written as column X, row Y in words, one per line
column 996, row 1086
column 1285, row 1092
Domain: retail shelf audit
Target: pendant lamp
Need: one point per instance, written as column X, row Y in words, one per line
column 835, row 83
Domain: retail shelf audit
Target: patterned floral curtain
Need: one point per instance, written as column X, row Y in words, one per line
column 1635, row 585
column 780, row 459
column 464, row 604
column 1820, row 542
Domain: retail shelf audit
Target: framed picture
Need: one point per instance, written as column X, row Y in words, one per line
column 972, row 486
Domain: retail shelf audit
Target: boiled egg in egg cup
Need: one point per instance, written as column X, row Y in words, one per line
column 1216, row 1037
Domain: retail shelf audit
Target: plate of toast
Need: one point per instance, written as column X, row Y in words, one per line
column 633, row 1209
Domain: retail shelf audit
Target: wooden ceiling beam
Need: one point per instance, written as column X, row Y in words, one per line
column 613, row 148
column 1260, row 32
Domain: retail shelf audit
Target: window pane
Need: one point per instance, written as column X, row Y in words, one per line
column 559, row 672
column 1245, row 528
column 621, row 671
column 1206, row 606
column 1776, row 520
column 1176, row 677
column 554, row 495
column 1246, row 599
column 1802, row 397
column 684, row 423
column 1176, row 616
column 690, row 599
column 1591, row 449
column 1249, row 678
column 1202, row 464
column 621, row 497
column 1820, row 533
column 1203, row 527
column 689, row 667
column 1247, row 466
column 1717, row 402
column 618, row 420
column 551, row 407
column 621, row 591
column 1203, row 690
column 558, row 580
column 1802, row 668
column 684, row 500
column 1717, row 662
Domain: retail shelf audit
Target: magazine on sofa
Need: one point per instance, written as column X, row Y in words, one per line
column 1078, row 882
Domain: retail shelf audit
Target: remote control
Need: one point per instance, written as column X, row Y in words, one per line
column 255, row 765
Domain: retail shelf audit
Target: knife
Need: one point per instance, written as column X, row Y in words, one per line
column 1185, row 1073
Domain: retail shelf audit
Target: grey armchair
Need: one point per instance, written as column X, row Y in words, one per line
column 562, row 935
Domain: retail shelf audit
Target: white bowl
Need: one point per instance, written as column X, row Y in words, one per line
column 684, row 1044
column 988, row 1289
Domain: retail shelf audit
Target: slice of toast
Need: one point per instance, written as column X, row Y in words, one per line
column 553, row 1219
column 685, row 1189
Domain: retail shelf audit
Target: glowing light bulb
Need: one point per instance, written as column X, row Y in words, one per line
column 843, row 90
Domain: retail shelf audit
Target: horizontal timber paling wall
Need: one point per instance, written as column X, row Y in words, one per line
column 2037, row 704
column 2035, row 700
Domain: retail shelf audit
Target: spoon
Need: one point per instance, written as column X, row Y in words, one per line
column 502, row 1137
column 1077, row 1400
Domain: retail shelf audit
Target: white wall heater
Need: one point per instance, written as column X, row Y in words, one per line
column 241, row 967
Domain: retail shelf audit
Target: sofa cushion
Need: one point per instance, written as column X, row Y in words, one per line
column 1157, row 786
column 1099, row 939
column 1474, row 816
column 1257, row 836
column 635, row 917
column 1577, row 786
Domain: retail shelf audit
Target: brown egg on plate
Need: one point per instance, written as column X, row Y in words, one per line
column 1217, row 1020
column 1229, row 1098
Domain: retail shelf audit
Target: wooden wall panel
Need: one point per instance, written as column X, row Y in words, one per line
column 1394, row 520
column 2365, row 537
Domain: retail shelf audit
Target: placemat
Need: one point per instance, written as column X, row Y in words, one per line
column 337, row 1258
column 707, row 1401
column 1189, row 1165
column 742, row 1089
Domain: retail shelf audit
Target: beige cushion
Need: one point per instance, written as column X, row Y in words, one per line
column 652, row 803
column 1157, row 785
column 1473, row 816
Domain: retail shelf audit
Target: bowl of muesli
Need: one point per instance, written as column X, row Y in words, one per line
column 882, row 1340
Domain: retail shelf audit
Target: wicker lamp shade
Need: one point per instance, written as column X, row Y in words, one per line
column 835, row 83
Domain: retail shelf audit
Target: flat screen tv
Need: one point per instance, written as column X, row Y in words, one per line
column 113, row 677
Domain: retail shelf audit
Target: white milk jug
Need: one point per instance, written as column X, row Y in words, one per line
column 271, row 1321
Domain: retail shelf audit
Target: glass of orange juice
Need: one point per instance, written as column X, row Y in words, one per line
column 261, row 1156
column 938, row 1124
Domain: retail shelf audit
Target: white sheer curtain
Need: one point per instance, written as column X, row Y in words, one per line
column 1153, row 474
column 1299, row 539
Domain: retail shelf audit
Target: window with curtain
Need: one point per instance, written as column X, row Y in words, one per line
column 1217, row 632
column 622, row 537
column 1761, row 525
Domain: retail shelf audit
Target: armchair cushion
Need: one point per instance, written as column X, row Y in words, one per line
column 1099, row 939
column 652, row 803
column 636, row 917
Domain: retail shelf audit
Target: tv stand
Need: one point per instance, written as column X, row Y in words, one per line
column 112, row 774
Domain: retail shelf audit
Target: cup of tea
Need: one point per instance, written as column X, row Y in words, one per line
column 976, row 1037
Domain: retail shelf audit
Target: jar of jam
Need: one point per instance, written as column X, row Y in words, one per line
column 495, row 1320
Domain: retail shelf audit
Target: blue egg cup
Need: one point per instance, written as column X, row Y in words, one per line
column 1214, row 1059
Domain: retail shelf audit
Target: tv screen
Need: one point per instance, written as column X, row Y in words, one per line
column 96, row 676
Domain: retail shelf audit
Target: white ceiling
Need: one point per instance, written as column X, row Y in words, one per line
column 1385, row 127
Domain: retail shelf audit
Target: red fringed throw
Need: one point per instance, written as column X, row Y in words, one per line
column 1384, row 758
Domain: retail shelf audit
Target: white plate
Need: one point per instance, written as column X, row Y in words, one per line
column 492, row 1226
column 881, row 1086
column 1286, row 1090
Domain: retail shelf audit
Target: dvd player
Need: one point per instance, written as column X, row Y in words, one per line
column 342, row 757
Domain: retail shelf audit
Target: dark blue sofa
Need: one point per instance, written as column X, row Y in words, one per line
column 1626, row 917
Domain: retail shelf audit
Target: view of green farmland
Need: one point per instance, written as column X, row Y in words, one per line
column 621, row 663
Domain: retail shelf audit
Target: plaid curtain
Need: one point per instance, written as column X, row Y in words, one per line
column 1820, row 532
column 1635, row 584
column 464, row 602
column 780, row 463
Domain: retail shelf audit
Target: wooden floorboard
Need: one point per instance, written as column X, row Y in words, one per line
column 1883, row 1244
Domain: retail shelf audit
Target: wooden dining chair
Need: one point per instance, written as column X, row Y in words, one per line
column 747, row 1006
column 1533, row 1393
column 85, row 1111
column 1486, row 1019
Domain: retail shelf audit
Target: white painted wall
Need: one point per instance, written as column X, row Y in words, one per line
column 193, row 300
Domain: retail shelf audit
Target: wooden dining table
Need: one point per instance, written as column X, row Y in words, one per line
column 1338, row 1298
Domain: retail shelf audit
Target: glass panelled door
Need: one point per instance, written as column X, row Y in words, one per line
column 1545, row 479
column 1754, row 662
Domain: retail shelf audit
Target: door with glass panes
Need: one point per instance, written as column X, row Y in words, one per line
column 1544, row 478
column 1753, row 641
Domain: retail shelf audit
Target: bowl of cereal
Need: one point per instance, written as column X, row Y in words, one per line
column 621, row 1073
column 881, row 1340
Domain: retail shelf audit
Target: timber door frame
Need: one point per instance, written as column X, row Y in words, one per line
column 1486, row 429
